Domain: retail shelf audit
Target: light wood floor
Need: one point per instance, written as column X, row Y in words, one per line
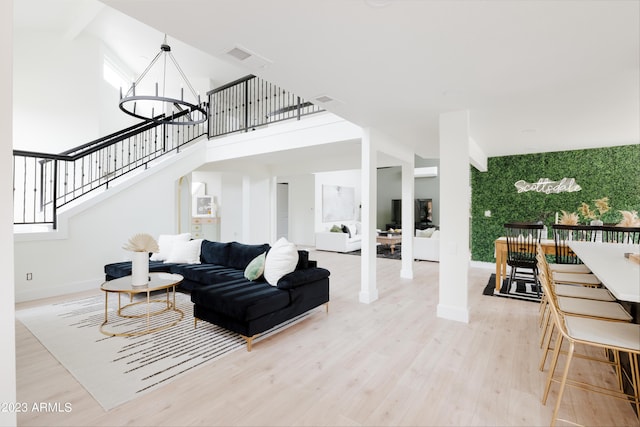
column 392, row 362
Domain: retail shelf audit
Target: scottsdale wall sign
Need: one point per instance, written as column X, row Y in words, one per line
column 545, row 185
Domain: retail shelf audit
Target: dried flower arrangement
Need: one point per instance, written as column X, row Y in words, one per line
column 142, row 243
column 568, row 218
column 601, row 206
column 629, row 219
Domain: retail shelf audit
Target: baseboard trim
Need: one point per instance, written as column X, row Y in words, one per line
column 450, row 312
column 24, row 295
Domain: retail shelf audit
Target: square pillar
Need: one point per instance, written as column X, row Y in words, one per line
column 368, row 284
column 455, row 203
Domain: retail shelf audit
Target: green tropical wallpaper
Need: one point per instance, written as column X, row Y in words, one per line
column 601, row 172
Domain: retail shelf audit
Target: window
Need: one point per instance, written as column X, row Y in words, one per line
column 114, row 75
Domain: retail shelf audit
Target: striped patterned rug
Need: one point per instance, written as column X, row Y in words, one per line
column 115, row 370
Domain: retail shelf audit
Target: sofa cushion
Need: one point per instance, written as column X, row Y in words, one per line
column 241, row 299
column 214, row 252
column 206, row 274
column 346, row 230
column 166, row 242
column 185, row 252
column 240, row 255
column 282, row 259
column 302, row 277
column 255, row 269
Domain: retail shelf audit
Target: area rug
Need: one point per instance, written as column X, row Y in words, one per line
column 519, row 289
column 115, row 370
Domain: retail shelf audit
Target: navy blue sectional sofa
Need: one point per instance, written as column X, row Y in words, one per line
column 223, row 296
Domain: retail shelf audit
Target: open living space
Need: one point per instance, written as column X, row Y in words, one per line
column 362, row 212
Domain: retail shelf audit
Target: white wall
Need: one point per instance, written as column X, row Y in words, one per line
column 259, row 207
column 94, row 236
column 231, row 209
column 349, row 178
column 7, row 308
column 302, row 208
column 61, row 99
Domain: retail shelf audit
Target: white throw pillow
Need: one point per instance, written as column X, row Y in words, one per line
column 282, row 259
column 166, row 242
column 185, row 252
column 352, row 229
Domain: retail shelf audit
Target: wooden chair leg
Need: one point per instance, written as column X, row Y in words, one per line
column 563, row 382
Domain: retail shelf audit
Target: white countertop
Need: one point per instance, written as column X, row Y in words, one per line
column 607, row 261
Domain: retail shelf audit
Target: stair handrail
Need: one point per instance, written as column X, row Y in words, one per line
column 50, row 181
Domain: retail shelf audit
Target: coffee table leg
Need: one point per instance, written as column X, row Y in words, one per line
column 148, row 309
column 106, row 307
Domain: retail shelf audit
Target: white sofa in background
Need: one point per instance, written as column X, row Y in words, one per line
column 339, row 241
column 426, row 245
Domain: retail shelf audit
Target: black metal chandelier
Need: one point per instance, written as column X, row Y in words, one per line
column 157, row 105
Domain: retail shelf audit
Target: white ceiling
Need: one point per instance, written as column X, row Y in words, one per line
column 535, row 75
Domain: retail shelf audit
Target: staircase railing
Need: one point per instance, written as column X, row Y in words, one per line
column 43, row 183
column 250, row 102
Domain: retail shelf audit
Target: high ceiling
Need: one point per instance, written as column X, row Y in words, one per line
column 535, row 75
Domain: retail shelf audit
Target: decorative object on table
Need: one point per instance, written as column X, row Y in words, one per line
column 601, row 207
column 629, row 219
column 141, row 245
column 568, row 218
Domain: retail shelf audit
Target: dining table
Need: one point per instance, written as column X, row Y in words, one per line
column 620, row 274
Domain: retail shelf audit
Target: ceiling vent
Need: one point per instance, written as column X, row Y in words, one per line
column 324, row 99
column 248, row 58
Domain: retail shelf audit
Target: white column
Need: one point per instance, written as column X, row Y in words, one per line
column 7, row 292
column 408, row 218
column 368, row 285
column 454, row 216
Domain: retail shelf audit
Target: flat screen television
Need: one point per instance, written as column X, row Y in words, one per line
column 423, row 211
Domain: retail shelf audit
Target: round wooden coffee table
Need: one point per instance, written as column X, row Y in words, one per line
column 157, row 282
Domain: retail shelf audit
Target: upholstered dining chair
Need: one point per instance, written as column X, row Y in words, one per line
column 576, row 300
column 615, row 234
column 522, row 240
column 613, row 337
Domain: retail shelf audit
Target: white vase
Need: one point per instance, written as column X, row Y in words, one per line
column 140, row 269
